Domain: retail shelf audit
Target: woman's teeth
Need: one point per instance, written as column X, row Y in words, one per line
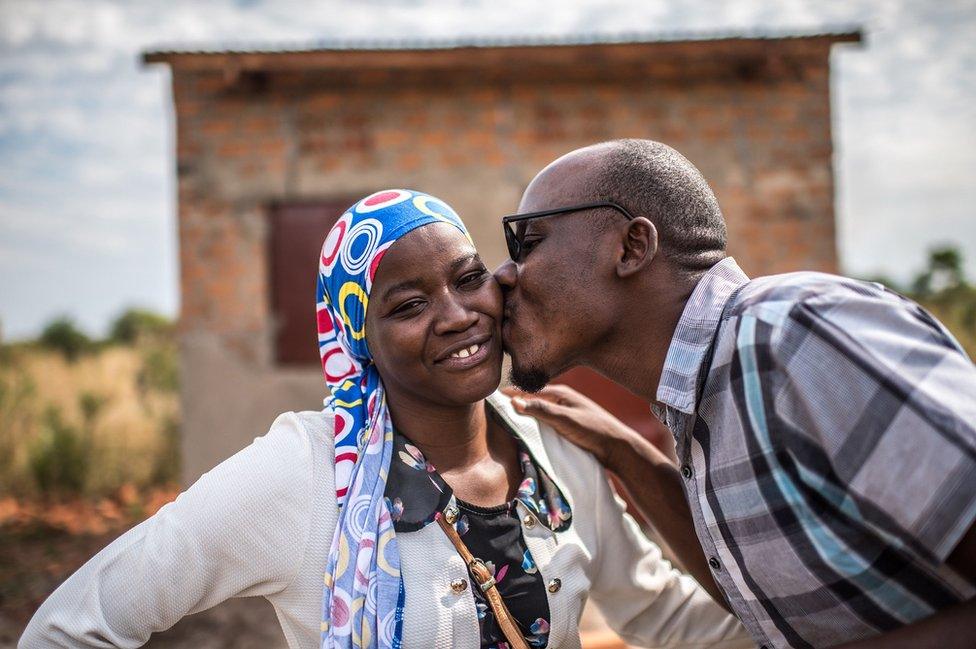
column 467, row 351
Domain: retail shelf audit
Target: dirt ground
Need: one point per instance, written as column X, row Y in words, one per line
column 35, row 559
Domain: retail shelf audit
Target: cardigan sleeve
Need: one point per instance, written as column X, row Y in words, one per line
column 240, row 530
column 646, row 601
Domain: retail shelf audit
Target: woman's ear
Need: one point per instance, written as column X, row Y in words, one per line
column 638, row 246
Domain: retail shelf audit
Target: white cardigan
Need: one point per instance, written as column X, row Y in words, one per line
column 261, row 522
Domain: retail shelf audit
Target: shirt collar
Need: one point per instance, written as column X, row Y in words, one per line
column 415, row 491
column 694, row 334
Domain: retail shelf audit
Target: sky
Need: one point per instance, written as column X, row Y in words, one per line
column 87, row 179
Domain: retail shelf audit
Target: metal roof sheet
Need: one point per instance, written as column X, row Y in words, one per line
column 847, row 33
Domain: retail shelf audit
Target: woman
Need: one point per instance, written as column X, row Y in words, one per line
column 413, row 447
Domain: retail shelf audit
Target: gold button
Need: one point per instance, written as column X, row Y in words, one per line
column 459, row 585
column 451, row 514
column 555, row 585
column 529, row 521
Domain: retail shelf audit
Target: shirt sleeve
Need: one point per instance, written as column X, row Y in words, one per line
column 240, row 530
column 646, row 601
column 877, row 403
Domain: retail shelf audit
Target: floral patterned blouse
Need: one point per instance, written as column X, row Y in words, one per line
column 415, row 492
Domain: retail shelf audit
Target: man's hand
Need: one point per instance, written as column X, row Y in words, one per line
column 647, row 474
column 580, row 420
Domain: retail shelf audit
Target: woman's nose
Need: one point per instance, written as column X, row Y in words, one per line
column 507, row 275
column 455, row 316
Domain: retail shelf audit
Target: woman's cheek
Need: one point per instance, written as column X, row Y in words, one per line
column 491, row 298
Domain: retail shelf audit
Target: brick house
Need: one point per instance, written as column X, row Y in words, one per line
column 272, row 145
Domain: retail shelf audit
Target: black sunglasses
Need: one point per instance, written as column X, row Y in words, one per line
column 515, row 243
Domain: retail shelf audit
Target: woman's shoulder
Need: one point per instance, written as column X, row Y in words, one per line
column 295, row 436
column 565, row 457
column 314, row 426
column 282, row 463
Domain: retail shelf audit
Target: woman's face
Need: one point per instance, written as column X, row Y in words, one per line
column 433, row 324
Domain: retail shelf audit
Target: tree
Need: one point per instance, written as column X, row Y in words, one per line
column 62, row 335
column 944, row 273
column 134, row 324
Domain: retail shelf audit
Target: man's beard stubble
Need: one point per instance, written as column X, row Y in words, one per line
column 528, row 379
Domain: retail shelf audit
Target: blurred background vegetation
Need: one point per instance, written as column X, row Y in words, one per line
column 85, row 417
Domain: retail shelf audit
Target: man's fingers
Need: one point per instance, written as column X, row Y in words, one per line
column 511, row 391
column 538, row 408
column 567, row 395
column 559, row 388
column 543, row 394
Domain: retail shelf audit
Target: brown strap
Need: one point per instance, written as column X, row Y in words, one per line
column 484, row 579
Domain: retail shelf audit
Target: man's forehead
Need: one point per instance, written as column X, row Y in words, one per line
column 567, row 181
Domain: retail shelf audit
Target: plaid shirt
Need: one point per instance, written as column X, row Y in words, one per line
column 831, row 467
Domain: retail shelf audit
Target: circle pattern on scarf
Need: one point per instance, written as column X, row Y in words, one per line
column 381, row 200
column 336, row 364
column 333, row 243
column 359, row 245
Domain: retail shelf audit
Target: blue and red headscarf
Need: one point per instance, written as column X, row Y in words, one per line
column 363, row 598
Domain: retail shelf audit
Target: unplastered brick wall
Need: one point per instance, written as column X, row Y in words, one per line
column 759, row 132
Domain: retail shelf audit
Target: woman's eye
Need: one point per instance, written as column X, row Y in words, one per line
column 473, row 277
column 407, row 307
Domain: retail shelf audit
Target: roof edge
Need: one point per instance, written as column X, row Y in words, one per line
column 165, row 54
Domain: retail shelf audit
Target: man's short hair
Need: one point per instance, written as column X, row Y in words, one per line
column 653, row 180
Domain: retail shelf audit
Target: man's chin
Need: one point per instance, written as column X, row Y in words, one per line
column 528, row 379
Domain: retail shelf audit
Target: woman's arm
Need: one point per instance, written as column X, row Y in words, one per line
column 240, row 530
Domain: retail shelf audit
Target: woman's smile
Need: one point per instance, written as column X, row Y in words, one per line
column 467, row 354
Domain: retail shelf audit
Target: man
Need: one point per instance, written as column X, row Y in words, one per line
column 824, row 427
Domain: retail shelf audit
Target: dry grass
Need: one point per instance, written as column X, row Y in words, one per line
column 126, row 422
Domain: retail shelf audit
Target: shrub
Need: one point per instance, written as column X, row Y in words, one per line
column 62, row 335
column 91, row 405
column 17, row 391
column 59, row 459
column 160, row 369
column 166, row 469
column 136, row 324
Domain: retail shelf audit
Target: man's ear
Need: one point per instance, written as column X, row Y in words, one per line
column 638, row 246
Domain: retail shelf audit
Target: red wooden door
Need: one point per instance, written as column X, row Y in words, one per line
column 297, row 233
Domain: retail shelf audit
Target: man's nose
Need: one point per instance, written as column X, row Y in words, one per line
column 507, row 274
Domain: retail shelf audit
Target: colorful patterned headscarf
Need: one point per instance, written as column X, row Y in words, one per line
column 363, row 598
